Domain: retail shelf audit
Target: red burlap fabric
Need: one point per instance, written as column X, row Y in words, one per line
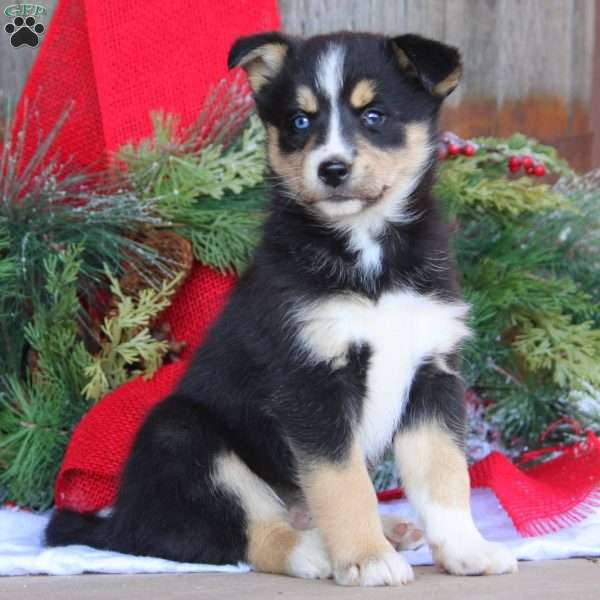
column 110, row 68
column 62, row 79
column 547, row 497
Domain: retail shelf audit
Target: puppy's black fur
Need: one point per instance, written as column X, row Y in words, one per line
column 249, row 389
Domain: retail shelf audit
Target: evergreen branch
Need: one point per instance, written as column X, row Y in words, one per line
column 207, row 182
column 534, row 286
column 128, row 348
column 497, row 150
column 45, row 208
column 523, row 417
column 467, row 189
column 568, row 352
column 162, row 168
column 37, row 410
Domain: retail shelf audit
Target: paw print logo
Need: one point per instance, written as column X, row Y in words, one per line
column 24, row 31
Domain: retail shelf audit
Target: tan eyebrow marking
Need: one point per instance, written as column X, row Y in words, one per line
column 307, row 101
column 363, row 93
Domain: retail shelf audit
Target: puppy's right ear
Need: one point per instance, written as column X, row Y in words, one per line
column 261, row 56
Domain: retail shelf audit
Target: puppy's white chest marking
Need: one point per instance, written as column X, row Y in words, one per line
column 369, row 250
column 402, row 330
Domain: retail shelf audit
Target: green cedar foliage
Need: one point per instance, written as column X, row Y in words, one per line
column 128, row 348
column 528, row 254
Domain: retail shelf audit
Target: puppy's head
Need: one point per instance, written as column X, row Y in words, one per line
column 350, row 118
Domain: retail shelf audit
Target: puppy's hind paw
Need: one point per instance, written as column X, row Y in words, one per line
column 309, row 559
column 403, row 535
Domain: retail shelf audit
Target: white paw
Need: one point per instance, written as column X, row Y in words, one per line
column 389, row 568
column 477, row 558
column 309, row 558
column 403, row 535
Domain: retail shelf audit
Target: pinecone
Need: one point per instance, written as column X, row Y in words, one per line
column 172, row 247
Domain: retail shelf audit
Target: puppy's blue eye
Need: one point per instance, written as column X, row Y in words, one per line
column 372, row 118
column 301, row 122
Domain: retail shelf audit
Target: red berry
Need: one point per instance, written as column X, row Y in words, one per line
column 539, row 170
column 442, row 153
column 527, row 162
column 453, row 149
column 529, row 170
column 514, row 163
column 468, row 150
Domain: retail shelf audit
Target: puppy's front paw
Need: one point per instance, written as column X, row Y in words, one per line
column 387, row 568
column 478, row 557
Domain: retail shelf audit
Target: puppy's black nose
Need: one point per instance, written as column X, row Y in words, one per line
column 333, row 172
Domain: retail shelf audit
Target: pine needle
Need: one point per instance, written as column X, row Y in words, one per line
column 208, row 179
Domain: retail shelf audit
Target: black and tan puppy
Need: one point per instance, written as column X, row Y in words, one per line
column 340, row 339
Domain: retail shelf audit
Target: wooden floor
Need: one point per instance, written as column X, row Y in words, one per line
column 546, row 580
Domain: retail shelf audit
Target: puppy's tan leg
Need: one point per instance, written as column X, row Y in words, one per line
column 344, row 507
column 273, row 545
column 434, row 473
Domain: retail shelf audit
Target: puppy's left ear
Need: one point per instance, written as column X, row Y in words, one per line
column 261, row 56
column 436, row 65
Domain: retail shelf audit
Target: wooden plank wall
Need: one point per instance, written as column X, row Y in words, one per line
column 16, row 62
column 595, row 113
column 530, row 65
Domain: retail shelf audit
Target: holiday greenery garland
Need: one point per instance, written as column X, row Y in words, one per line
column 528, row 255
column 88, row 263
column 38, row 408
column 207, row 181
column 85, row 272
column 61, row 232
